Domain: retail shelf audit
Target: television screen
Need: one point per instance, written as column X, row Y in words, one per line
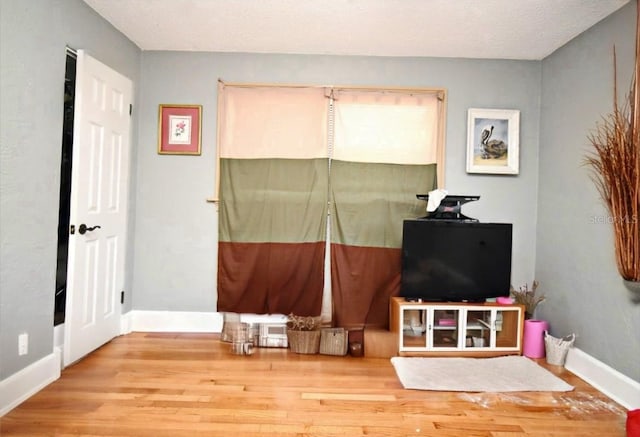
column 455, row 261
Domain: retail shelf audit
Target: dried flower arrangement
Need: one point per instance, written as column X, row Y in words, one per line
column 304, row 323
column 303, row 333
column 528, row 298
column 616, row 171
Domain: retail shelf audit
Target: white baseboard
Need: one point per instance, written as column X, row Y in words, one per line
column 125, row 323
column 609, row 381
column 58, row 342
column 25, row 383
column 174, row 321
column 179, row 321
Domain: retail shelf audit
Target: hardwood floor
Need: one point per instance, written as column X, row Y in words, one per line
column 145, row 384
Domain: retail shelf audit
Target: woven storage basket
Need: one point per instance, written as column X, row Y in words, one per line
column 304, row 342
column 557, row 348
column 333, row 341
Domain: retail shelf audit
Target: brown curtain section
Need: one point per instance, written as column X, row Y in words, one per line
column 260, row 274
column 369, row 288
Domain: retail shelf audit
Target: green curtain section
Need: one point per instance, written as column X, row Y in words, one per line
column 272, row 233
column 369, row 203
column 273, row 200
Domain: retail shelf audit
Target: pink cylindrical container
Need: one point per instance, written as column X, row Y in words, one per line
column 533, row 342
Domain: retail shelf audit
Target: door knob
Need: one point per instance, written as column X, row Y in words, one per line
column 83, row 228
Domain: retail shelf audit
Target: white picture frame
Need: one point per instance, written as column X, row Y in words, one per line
column 493, row 141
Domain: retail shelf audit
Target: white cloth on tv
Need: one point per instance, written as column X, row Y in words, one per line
column 435, row 197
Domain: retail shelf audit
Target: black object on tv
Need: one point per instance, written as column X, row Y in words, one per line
column 455, row 260
column 450, row 208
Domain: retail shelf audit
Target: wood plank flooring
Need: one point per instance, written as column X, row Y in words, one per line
column 145, row 384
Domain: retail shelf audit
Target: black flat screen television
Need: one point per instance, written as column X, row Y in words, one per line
column 455, row 261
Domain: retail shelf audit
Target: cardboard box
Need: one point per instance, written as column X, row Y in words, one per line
column 380, row 343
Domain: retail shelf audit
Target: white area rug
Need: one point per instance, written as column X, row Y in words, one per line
column 502, row 374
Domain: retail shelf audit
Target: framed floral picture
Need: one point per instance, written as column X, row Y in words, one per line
column 179, row 129
column 493, row 141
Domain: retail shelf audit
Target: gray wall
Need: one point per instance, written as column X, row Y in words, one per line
column 176, row 230
column 575, row 260
column 33, row 38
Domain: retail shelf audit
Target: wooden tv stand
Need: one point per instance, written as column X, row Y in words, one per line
column 456, row 329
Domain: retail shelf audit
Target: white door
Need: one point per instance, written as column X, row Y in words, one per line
column 98, row 217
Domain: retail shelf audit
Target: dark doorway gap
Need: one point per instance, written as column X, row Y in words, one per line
column 65, row 188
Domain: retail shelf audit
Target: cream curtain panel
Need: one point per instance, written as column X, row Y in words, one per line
column 266, row 121
column 390, row 127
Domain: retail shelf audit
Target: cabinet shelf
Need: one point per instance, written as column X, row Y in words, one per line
column 445, row 328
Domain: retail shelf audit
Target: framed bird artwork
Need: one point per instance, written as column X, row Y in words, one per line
column 493, row 141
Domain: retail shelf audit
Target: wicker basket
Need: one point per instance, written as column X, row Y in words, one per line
column 333, row 341
column 557, row 348
column 304, row 342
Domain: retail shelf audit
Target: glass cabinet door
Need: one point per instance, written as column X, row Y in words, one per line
column 414, row 327
column 445, row 326
column 506, row 327
column 478, row 328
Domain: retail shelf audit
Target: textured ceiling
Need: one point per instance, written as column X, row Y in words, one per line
column 499, row 29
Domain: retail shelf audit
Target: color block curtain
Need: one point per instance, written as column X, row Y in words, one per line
column 273, row 199
column 384, row 153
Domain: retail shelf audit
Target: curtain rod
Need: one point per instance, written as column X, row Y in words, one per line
column 441, row 91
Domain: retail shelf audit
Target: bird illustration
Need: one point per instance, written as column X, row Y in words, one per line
column 491, row 149
column 486, row 134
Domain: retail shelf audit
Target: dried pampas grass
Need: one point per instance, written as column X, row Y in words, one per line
column 528, row 298
column 615, row 162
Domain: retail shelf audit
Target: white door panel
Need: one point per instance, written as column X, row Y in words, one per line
column 99, row 188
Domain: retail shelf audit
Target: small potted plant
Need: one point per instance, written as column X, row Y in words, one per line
column 528, row 297
column 303, row 334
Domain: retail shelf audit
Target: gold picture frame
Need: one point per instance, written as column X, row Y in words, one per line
column 179, row 129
